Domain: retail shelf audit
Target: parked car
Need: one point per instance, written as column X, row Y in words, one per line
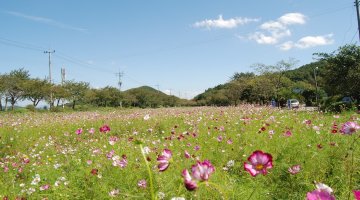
column 293, row 103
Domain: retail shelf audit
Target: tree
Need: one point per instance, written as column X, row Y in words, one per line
column 341, row 74
column 76, row 91
column 241, row 76
column 275, row 73
column 14, row 85
column 36, row 90
column 59, row 94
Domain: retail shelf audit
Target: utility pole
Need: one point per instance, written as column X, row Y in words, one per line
column 62, row 83
column 62, row 76
column 50, row 52
column 120, row 75
column 358, row 17
column 316, row 85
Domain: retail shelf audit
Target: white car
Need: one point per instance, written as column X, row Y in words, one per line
column 293, row 103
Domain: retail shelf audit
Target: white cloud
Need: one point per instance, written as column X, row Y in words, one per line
column 263, row 39
column 312, row 41
column 308, row 42
column 45, row 21
column 292, row 18
column 272, row 25
column 273, row 31
column 286, row 45
column 221, row 23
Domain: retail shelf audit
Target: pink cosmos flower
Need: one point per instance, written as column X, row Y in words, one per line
column 164, row 160
column 294, row 169
column 219, row 138
column 323, row 192
column 119, row 162
column 357, row 194
column 104, row 129
column 79, row 131
column 45, row 187
column 142, row 183
column 187, row 155
column 91, row 131
column 189, row 183
column 349, row 128
column 110, row 154
column 197, row 148
column 288, row 133
column 202, row 171
column 229, row 141
column 113, row 140
column 259, row 163
column 199, row 172
column 307, row 122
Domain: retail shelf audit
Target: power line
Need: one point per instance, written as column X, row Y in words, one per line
column 119, row 75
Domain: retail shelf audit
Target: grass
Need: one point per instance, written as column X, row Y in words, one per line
column 65, row 160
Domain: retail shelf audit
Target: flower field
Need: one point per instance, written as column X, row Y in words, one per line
column 241, row 152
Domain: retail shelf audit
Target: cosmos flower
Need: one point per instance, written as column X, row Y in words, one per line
column 114, row 193
column 94, row 171
column 164, row 160
column 259, row 163
column 146, row 117
column 322, row 192
column 45, row 187
column 190, row 184
column 142, row 183
column 91, row 131
column 36, row 179
column 357, row 194
column 199, row 172
column 349, row 128
column 187, row 155
column 104, row 129
column 294, row 169
column 113, row 140
column 288, row 133
column 79, row 131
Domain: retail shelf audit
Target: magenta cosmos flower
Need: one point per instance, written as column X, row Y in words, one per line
column 357, row 194
column 323, row 192
column 104, row 129
column 164, row 160
column 350, row 128
column 259, row 163
column 199, row 172
column 79, row 131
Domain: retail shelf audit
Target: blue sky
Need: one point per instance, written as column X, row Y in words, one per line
column 180, row 46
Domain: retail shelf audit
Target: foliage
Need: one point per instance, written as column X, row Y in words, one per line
column 341, row 73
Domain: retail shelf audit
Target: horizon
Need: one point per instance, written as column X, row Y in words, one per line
column 175, row 47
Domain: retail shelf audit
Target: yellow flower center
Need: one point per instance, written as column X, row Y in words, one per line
column 259, row 167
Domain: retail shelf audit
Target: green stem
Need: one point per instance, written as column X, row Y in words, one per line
column 352, row 150
column 218, row 188
column 252, row 193
column 149, row 172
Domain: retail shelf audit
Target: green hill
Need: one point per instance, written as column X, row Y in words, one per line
column 146, row 96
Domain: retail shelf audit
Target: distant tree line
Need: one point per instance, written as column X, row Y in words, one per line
column 17, row 85
column 333, row 76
